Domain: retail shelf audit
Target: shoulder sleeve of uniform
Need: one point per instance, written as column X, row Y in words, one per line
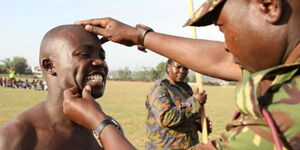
column 192, row 106
column 292, row 90
column 161, row 95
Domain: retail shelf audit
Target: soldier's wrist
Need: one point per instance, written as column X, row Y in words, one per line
column 99, row 117
column 142, row 30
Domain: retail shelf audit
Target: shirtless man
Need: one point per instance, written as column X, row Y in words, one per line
column 69, row 57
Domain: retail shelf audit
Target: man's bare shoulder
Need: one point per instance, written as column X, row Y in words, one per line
column 16, row 134
column 20, row 132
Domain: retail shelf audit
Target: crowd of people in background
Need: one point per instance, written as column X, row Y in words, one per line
column 25, row 84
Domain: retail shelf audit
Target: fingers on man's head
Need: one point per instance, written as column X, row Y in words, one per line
column 101, row 22
column 96, row 26
column 94, row 29
column 86, row 22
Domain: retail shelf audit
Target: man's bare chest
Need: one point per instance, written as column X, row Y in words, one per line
column 66, row 141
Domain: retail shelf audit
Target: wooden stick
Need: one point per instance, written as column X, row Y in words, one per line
column 199, row 82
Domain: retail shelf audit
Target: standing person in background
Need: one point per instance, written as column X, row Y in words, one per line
column 173, row 111
column 12, row 77
column 1, row 82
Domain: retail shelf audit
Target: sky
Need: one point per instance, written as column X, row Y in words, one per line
column 24, row 23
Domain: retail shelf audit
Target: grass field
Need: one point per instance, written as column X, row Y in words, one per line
column 125, row 102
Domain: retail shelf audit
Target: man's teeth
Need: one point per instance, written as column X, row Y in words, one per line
column 95, row 78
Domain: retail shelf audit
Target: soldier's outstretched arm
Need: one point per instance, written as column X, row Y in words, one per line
column 203, row 56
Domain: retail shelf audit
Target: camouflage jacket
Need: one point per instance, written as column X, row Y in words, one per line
column 172, row 111
column 282, row 100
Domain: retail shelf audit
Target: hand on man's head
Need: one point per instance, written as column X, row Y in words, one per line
column 112, row 30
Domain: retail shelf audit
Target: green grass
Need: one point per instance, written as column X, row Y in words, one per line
column 125, row 101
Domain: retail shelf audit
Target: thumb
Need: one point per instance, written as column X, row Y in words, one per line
column 86, row 92
column 196, row 90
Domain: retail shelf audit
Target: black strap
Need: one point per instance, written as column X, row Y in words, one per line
column 101, row 126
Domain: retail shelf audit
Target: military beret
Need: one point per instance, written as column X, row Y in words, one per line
column 206, row 14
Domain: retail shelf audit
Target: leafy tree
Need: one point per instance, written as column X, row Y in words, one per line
column 145, row 74
column 153, row 74
column 192, row 76
column 124, row 74
column 28, row 71
column 3, row 69
column 7, row 63
column 20, row 64
column 161, row 69
column 158, row 72
column 142, row 75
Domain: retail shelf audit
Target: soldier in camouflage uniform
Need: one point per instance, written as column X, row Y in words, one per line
column 268, row 100
column 173, row 109
column 262, row 52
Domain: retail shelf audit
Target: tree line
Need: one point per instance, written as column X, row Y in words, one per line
column 125, row 74
column 153, row 74
column 19, row 63
column 145, row 74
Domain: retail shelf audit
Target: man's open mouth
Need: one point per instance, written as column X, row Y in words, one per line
column 94, row 78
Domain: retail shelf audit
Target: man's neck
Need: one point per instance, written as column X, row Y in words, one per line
column 54, row 107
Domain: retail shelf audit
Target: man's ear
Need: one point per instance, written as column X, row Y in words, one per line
column 47, row 66
column 272, row 10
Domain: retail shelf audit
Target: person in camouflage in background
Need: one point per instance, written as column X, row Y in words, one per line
column 173, row 109
column 261, row 51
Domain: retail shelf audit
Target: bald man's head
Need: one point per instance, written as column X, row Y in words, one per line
column 71, row 56
column 52, row 39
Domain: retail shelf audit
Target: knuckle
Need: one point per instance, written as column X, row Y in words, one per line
column 94, row 29
column 107, row 19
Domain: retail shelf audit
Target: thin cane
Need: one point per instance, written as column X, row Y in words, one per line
column 199, row 82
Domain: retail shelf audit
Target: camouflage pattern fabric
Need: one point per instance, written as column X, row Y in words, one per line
column 172, row 111
column 282, row 100
column 206, row 14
